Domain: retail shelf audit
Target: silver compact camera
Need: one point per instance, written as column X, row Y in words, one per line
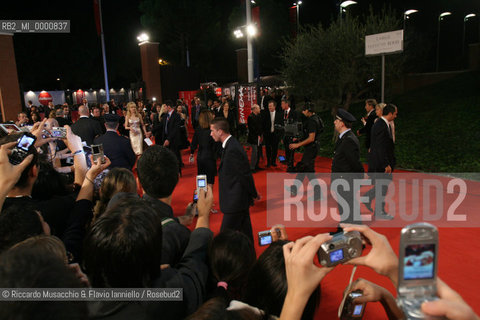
column 341, row 248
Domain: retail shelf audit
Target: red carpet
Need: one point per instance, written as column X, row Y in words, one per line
column 458, row 253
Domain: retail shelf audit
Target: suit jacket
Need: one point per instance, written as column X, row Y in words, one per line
column 118, row 149
column 267, row 123
column 381, row 148
column 347, row 154
column 173, row 129
column 255, row 128
column 367, row 129
column 293, row 115
column 237, row 188
column 87, row 129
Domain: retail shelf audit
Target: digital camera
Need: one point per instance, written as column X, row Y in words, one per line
column 341, row 248
column 58, row 132
column 352, row 310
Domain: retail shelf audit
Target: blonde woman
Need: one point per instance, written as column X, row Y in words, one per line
column 134, row 123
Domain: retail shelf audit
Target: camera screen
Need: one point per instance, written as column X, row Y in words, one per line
column 264, row 240
column 281, row 158
column 56, row 133
column 201, row 183
column 25, row 142
column 336, row 255
column 419, row 262
column 357, row 310
column 195, row 196
column 95, row 149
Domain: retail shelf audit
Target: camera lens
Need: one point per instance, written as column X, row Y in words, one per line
column 331, row 246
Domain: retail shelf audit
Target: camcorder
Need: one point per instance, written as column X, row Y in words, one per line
column 340, row 249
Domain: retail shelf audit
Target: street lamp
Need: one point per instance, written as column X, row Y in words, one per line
column 143, row 38
column 297, row 5
column 343, row 7
column 440, row 18
column 468, row 16
column 406, row 15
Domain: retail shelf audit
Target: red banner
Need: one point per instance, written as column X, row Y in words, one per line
column 96, row 13
column 256, row 19
column 187, row 97
column 247, row 97
column 292, row 15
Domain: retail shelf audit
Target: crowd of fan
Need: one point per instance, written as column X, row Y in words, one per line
column 56, row 233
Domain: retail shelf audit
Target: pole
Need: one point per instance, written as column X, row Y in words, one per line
column 107, row 90
column 298, row 18
column 438, row 45
column 249, row 43
column 383, row 78
column 463, row 41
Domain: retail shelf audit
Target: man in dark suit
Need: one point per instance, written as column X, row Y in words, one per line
column 171, row 131
column 272, row 121
column 290, row 116
column 195, row 111
column 381, row 160
column 368, row 121
column 85, row 127
column 117, row 148
column 255, row 135
column 97, row 116
column 346, row 163
column 237, row 189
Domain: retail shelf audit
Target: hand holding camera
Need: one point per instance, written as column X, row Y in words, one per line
column 9, row 173
column 381, row 258
column 340, row 249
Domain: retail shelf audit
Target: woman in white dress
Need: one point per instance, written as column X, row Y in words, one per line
column 134, row 123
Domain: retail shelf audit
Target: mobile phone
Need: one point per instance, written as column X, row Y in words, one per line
column 417, row 268
column 9, row 127
column 264, row 238
column 201, row 183
column 20, row 151
column 352, row 310
column 195, row 196
column 59, row 132
column 281, row 158
column 97, row 153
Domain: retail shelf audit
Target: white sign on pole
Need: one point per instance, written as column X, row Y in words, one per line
column 383, row 43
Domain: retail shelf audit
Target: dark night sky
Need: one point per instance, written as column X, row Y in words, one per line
column 76, row 57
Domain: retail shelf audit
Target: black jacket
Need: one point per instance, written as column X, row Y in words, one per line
column 381, row 148
column 367, row 128
column 237, row 188
column 255, row 128
column 118, row 149
column 87, row 129
column 347, row 154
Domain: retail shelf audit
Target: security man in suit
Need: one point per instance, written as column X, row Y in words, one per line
column 170, row 125
column 290, row 116
column 117, row 148
column 368, row 121
column 85, row 127
column 346, row 163
column 381, row 160
column 237, row 189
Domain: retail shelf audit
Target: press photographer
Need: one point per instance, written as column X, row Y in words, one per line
column 312, row 128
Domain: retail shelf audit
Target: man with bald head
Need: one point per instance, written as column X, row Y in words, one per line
column 86, row 128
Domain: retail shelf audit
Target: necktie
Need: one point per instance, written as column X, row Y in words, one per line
column 286, row 114
column 272, row 120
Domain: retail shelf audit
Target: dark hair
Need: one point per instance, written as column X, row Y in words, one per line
column 25, row 267
column 157, row 171
column 111, row 125
column 231, row 256
column 371, row 102
column 389, row 108
column 220, row 123
column 267, row 284
column 169, row 103
column 124, row 246
column 309, row 106
column 17, row 223
column 22, row 182
column 272, row 101
column 49, row 182
column 216, row 309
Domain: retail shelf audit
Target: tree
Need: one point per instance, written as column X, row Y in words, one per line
column 329, row 65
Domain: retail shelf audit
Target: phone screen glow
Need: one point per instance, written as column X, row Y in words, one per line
column 419, row 262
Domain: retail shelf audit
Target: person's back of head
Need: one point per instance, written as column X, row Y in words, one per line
column 389, row 108
column 158, row 171
column 49, row 182
column 83, row 111
column 123, row 248
column 231, row 256
column 17, row 223
column 117, row 180
column 27, row 267
column 267, row 283
column 217, row 309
